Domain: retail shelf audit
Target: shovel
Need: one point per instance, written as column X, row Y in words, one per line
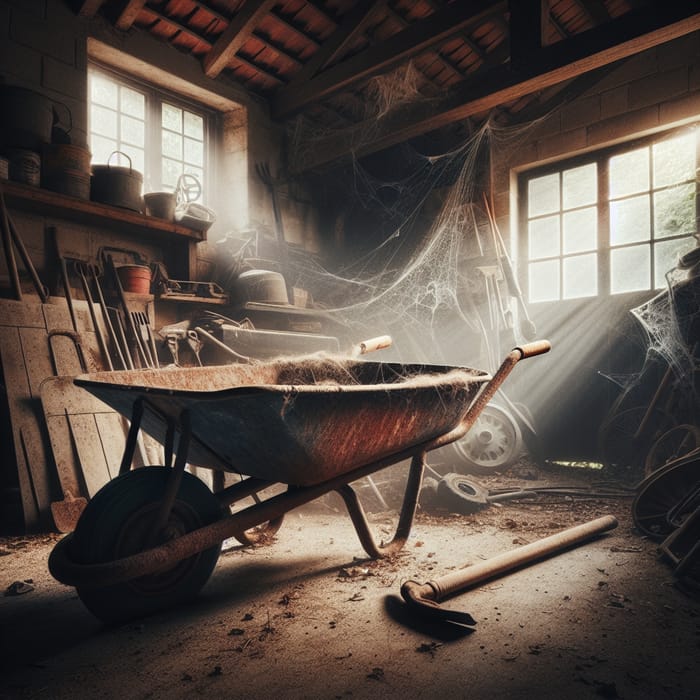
column 66, row 511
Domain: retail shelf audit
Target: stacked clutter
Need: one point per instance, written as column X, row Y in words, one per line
column 35, row 149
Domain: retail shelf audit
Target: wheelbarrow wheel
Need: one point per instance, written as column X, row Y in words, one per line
column 492, row 443
column 118, row 521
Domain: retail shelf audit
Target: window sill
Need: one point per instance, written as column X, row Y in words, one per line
column 36, row 199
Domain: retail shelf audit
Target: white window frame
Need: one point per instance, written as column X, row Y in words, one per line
column 605, row 248
column 155, row 97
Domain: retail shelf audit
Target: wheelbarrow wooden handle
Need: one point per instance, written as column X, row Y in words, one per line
column 425, row 598
column 537, row 347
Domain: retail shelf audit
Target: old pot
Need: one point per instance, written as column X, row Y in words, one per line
column 26, row 118
column 117, row 185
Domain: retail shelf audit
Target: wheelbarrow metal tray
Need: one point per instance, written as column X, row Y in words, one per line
column 295, row 421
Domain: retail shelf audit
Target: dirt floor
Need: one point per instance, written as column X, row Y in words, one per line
column 309, row 616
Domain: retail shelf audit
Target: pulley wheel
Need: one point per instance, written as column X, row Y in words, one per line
column 661, row 492
column 492, row 443
column 461, row 494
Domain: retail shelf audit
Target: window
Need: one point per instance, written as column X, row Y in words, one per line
column 612, row 223
column 161, row 136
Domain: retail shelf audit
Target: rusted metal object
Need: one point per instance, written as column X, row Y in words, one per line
column 333, row 422
column 425, row 599
column 295, row 423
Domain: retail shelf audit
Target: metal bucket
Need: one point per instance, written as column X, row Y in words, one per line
column 117, row 185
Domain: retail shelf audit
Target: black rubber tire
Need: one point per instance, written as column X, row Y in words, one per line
column 661, row 492
column 461, row 495
column 672, row 445
column 115, row 523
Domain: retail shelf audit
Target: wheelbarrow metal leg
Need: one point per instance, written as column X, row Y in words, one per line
column 406, row 516
column 132, row 437
column 175, row 477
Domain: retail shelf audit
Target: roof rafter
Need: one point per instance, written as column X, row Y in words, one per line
column 566, row 60
column 379, row 58
column 352, row 24
column 234, row 36
column 128, row 15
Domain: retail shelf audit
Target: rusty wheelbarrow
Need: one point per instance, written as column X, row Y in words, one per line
column 150, row 538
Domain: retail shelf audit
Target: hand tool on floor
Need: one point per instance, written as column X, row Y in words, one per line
column 425, row 599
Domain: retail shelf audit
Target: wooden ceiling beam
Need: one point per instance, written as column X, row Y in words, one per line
column 128, row 15
column 235, row 35
column 379, row 58
column 566, row 60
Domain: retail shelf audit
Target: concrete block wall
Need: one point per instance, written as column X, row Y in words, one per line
column 43, row 47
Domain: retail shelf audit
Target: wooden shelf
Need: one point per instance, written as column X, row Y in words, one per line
column 36, row 199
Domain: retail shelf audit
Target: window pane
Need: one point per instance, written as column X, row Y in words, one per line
column 666, row 256
column 172, row 118
column 172, row 145
column 543, row 237
column 194, row 152
column 103, row 121
column 630, row 269
column 172, row 169
column 101, row 148
column 629, row 220
column 581, row 276
column 581, row 230
column 580, row 186
column 133, row 103
column 135, row 158
column 674, row 160
column 133, row 131
column 674, row 211
column 543, row 195
column 194, row 126
column 544, row 280
column 103, row 91
column 629, row 173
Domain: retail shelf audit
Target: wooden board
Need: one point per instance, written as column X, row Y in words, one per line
column 30, row 454
column 29, row 354
column 87, row 436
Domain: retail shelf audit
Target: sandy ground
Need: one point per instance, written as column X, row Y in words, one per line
column 308, row 616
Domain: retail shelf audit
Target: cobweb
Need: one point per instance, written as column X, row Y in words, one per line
column 671, row 321
column 432, row 276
